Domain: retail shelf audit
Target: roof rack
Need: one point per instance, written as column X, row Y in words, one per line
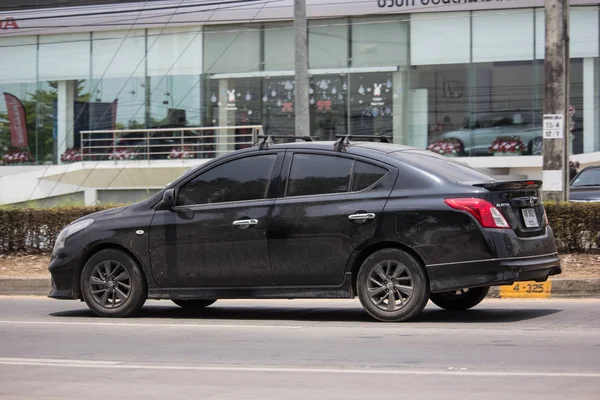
column 267, row 140
column 344, row 140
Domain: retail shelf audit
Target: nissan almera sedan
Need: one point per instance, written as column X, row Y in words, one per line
column 392, row 225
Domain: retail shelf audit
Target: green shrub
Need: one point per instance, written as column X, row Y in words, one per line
column 34, row 230
column 576, row 226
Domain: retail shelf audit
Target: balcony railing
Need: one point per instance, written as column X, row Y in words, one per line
column 166, row 143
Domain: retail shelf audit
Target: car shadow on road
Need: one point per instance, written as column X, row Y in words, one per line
column 322, row 314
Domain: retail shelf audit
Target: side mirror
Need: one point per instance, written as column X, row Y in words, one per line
column 168, row 200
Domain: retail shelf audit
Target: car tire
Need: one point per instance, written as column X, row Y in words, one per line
column 197, row 304
column 112, row 284
column 392, row 274
column 460, row 300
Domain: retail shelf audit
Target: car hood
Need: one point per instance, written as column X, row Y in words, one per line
column 587, row 193
column 104, row 213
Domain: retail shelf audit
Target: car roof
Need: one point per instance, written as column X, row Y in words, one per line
column 353, row 147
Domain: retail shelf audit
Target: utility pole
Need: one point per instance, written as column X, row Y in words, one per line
column 556, row 102
column 301, row 59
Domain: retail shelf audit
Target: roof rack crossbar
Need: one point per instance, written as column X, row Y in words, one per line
column 344, row 140
column 267, row 140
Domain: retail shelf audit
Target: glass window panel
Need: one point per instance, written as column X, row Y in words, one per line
column 64, row 57
column 440, row 38
column 584, row 34
column 238, row 180
column 379, row 42
column 23, row 49
column 502, row 36
column 279, row 47
column 233, row 48
column 328, row 105
column 315, row 174
column 328, row 43
column 118, row 54
column 372, row 103
column 366, row 175
column 174, row 51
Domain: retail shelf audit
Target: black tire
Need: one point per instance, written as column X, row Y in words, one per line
column 112, row 284
column 460, row 300
column 193, row 304
column 401, row 271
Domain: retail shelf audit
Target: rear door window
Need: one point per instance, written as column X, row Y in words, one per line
column 313, row 174
column 366, row 175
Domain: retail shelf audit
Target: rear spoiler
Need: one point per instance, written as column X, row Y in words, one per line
column 510, row 185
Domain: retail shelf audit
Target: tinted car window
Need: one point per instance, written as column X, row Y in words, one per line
column 587, row 177
column 365, row 175
column 317, row 174
column 238, row 180
column 443, row 167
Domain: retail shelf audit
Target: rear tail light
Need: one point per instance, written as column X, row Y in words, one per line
column 484, row 211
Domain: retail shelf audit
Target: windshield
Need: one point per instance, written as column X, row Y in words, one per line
column 587, row 177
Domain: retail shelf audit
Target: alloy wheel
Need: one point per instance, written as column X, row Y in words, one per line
column 390, row 285
column 110, row 284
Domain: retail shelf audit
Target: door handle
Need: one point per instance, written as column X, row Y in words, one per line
column 362, row 216
column 245, row 223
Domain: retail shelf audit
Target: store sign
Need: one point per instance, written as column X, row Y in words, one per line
column 98, row 18
column 8, row 23
column 324, row 105
column 287, row 107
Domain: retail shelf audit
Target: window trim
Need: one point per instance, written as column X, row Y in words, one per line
column 275, row 172
column 353, row 158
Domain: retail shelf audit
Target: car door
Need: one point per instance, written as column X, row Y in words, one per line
column 216, row 234
column 328, row 205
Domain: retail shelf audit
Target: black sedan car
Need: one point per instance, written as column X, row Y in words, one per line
column 394, row 225
column 586, row 185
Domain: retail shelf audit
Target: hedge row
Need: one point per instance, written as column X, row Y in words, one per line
column 33, row 231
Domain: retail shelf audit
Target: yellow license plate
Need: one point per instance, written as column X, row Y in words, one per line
column 526, row 290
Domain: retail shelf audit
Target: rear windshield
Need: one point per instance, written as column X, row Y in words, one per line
column 442, row 166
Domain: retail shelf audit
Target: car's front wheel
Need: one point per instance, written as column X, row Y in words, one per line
column 460, row 300
column 112, row 284
column 193, row 304
column 392, row 285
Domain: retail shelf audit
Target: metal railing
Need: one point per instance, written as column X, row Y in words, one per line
column 166, row 143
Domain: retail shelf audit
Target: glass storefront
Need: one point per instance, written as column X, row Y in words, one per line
column 463, row 83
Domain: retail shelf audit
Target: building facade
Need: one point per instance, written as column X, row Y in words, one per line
column 452, row 75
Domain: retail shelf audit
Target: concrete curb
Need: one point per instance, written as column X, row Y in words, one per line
column 561, row 288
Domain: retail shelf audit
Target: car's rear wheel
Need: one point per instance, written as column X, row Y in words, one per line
column 460, row 300
column 536, row 146
column 112, row 284
column 193, row 304
column 392, row 285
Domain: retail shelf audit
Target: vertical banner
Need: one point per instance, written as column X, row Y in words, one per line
column 17, row 120
column 113, row 109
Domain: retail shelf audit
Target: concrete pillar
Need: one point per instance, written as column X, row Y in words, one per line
column 399, row 98
column 227, row 108
column 65, row 116
column 591, row 128
column 90, row 196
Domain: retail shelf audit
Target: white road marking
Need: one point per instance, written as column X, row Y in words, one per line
column 153, row 325
column 66, row 363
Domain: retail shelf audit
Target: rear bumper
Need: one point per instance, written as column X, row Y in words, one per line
column 492, row 272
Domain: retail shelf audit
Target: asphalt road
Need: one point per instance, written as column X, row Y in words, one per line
column 319, row 349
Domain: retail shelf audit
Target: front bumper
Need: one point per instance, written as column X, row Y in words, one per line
column 65, row 279
column 492, row 272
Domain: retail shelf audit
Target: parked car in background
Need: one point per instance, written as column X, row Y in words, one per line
column 477, row 137
column 586, row 185
column 394, row 225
